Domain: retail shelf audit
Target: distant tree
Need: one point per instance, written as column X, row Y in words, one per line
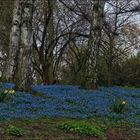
column 130, row 72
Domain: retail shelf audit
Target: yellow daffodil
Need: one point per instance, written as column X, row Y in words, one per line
column 6, row 91
column 12, row 91
column 124, row 102
column 9, row 91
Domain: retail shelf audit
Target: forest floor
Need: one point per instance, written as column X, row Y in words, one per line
column 47, row 129
column 61, row 112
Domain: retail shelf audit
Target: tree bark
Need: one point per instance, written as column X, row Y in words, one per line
column 94, row 42
column 24, row 72
column 14, row 42
column 46, row 57
column 51, row 36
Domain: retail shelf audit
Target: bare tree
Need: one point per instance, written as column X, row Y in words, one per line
column 94, row 42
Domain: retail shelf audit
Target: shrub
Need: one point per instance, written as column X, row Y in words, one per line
column 15, row 131
column 82, row 129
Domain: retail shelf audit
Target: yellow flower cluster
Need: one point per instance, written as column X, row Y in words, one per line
column 12, row 91
column 123, row 102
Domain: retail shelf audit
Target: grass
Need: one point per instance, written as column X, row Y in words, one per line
column 71, row 103
column 82, row 128
column 14, row 131
column 39, row 94
column 130, row 88
column 138, row 116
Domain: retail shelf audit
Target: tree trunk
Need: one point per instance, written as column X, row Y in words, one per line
column 110, row 60
column 94, row 42
column 14, row 42
column 109, row 79
column 51, row 36
column 45, row 51
column 45, row 77
column 24, row 71
column 50, row 49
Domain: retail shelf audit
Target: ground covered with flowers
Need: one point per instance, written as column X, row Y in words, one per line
column 117, row 104
column 71, row 102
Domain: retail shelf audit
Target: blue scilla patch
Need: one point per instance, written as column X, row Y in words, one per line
column 6, row 85
column 69, row 101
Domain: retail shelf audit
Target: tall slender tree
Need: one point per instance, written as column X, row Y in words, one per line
column 51, row 36
column 94, row 42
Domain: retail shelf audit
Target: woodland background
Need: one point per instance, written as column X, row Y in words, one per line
column 79, row 42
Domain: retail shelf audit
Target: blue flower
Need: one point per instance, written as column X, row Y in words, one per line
column 87, row 103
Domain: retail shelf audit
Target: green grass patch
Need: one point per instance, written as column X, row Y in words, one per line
column 67, row 110
column 130, row 88
column 137, row 130
column 138, row 116
column 108, row 122
column 34, row 109
column 82, row 128
column 71, row 103
column 14, row 131
column 39, row 94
